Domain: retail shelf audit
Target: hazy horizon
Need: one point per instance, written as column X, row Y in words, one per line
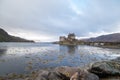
column 46, row 20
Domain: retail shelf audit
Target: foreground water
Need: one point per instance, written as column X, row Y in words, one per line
column 25, row 57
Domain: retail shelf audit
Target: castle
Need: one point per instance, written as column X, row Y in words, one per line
column 69, row 40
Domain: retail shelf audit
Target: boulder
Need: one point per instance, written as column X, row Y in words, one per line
column 116, row 60
column 111, row 78
column 84, row 75
column 50, row 75
column 75, row 73
column 68, row 71
column 106, row 68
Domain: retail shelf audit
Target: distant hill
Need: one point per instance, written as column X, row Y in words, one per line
column 5, row 37
column 105, row 38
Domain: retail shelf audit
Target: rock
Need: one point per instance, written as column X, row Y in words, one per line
column 111, row 78
column 29, row 79
column 18, row 79
column 106, row 68
column 68, row 71
column 50, row 75
column 76, row 76
column 84, row 75
column 75, row 73
column 116, row 60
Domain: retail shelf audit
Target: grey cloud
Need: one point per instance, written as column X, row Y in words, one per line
column 57, row 17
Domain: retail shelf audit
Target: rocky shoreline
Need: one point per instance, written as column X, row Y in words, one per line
column 104, row 70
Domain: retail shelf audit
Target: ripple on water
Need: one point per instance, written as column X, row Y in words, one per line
column 22, row 58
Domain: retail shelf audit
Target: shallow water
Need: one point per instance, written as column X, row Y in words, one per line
column 25, row 57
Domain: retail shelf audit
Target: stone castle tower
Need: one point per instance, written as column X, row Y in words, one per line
column 70, row 37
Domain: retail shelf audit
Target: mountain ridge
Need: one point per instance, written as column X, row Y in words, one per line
column 114, row 37
column 5, row 37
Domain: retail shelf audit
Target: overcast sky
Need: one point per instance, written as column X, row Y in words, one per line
column 46, row 20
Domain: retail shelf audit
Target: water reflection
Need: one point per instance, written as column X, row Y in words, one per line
column 19, row 58
column 72, row 49
column 2, row 51
column 68, row 49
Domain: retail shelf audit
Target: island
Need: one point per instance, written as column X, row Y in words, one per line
column 108, row 41
column 69, row 40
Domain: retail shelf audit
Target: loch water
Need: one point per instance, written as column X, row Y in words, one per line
column 25, row 57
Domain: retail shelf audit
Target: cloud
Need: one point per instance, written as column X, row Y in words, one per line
column 48, row 19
